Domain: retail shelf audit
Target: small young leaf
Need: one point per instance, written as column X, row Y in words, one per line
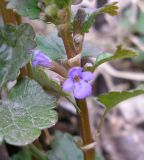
column 28, row 8
column 64, row 148
column 27, row 110
column 62, row 3
column 119, row 54
column 52, row 46
column 110, row 9
column 111, row 99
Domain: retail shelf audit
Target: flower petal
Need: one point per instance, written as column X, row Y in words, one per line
column 75, row 71
column 40, row 59
column 68, row 85
column 34, row 64
column 87, row 76
column 82, row 90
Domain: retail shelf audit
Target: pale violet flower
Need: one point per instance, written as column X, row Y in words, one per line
column 78, row 82
column 40, row 59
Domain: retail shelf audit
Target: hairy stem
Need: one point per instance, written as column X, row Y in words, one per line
column 85, row 129
column 8, row 15
column 67, row 40
column 39, row 155
column 78, row 35
column 66, row 35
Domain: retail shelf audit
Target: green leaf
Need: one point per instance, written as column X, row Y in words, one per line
column 52, row 46
column 119, row 54
column 110, row 9
column 22, row 155
column 15, row 43
column 64, row 148
column 111, row 99
column 27, row 110
column 62, row 3
column 28, row 8
column 48, row 83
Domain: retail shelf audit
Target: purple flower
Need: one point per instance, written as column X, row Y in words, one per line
column 78, row 82
column 40, row 59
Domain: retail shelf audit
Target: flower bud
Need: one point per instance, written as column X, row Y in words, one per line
column 51, row 10
column 40, row 59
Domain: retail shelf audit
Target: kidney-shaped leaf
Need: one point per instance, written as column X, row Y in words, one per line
column 64, row 148
column 111, row 99
column 15, row 43
column 28, row 110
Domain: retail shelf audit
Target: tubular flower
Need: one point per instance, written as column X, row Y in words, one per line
column 40, row 59
column 78, row 82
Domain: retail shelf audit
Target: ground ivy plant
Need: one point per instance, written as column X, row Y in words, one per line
column 27, row 107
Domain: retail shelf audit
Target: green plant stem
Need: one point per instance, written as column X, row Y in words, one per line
column 101, row 123
column 85, row 129
column 36, row 152
column 66, row 35
column 77, row 29
column 29, row 70
column 67, row 40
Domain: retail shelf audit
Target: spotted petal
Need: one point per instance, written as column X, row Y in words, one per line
column 75, row 71
column 82, row 90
